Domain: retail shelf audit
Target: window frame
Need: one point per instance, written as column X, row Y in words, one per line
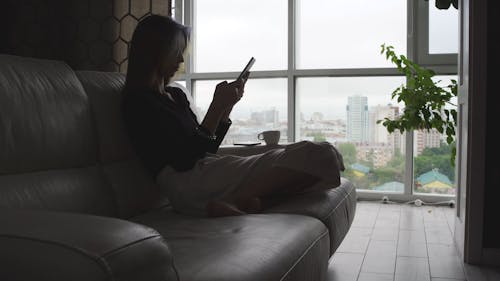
column 422, row 39
column 417, row 50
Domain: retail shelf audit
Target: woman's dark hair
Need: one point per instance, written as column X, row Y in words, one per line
column 155, row 39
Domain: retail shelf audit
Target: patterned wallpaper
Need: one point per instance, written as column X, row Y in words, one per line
column 87, row 34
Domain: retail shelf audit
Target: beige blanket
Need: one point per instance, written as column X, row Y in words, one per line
column 215, row 176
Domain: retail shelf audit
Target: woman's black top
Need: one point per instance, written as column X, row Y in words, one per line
column 164, row 132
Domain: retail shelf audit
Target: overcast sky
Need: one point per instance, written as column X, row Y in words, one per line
column 330, row 34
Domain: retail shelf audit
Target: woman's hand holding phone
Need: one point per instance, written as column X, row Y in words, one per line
column 228, row 94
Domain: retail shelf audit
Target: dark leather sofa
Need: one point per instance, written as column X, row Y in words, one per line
column 76, row 204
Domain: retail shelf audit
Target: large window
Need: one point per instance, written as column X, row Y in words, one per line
column 264, row 108
column 443, row 30
column 228, row 33
column 437, row 39
column 433, row 172
column 347, row 34
column 319, row 75
column 344, row 111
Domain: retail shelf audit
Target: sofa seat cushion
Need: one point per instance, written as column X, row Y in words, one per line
column 335, row 207
column 250, row 247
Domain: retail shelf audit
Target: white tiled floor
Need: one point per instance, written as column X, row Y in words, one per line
column 398, row 242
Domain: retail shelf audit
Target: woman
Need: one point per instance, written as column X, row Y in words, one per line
column 180, row 152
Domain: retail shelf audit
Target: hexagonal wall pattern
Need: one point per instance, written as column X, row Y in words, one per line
column 87, row 34
column 128, row 23
column 139, row 8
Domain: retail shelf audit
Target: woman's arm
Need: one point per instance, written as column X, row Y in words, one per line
column 212, row 117
column 225, row 97
column 225, row 115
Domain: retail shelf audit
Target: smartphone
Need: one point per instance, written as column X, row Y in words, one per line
column 247, row 68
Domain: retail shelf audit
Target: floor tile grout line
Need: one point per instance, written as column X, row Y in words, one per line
column 397, row 244
column 426, row 247
column 454, row 246
column 369, row 242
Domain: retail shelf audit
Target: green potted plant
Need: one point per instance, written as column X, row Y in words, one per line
column 425, row 102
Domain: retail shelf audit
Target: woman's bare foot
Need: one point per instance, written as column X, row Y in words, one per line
column 223, row 209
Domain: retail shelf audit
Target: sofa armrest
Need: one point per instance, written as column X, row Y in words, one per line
column 44, row 245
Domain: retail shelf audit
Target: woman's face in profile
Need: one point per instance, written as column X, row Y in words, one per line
column 172, row 64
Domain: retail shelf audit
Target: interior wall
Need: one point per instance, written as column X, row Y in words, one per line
column 87, row 34
column 31, row 29
column 492, row 181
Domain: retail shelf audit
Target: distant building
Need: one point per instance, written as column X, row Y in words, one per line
column 266, row 116
column 392, row 186
column 357, row 119
column 378, row 132
column 435, row 182
column 378, row 154
column 360, row 169
column 317, row 117
column 424, row 138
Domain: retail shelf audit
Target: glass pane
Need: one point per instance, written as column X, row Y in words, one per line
column 344, row 111
column 443, row 30
column 433, row 172
column 227, row 33
column 173, row 9
column 263, row 107
column 348, row 34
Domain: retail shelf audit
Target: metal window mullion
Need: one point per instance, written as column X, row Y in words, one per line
column 358, row 72
column 422, row 55
column 413, row 48
column 347, row 72
column 233, row 75
column 178, row 12
column 188, row 10
column 442, row 69
column 292, row 130
column 412, row 33
column 409, row 162
column 291, row 94
column 421, row 15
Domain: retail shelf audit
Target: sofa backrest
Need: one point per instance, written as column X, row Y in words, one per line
column 135, row 190
column 63, row 144
column 48, row 145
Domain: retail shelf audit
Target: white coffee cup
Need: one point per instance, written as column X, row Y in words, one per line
column 270, row 137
